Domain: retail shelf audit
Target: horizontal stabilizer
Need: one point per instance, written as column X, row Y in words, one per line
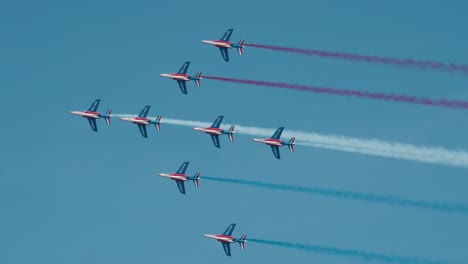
column 291, row 144
column 231, row 133
column 240, row 46
column 198, row 78
column 242, row 241
column 196, row 179
column 108, row 116
column 158, row 123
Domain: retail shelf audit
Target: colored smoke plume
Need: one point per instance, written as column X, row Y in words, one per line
column 348, row 252
column 456, row 104
column 351, row 195
column 439, row 66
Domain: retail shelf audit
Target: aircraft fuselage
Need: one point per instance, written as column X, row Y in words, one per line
column 87, row 114
column 269, row 141
column 174, row 176
column 176, row 76
column 210, row 130
column 219, row 43
column 137, row 120
column 221, row 238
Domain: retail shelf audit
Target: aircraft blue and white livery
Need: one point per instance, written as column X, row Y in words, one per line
column 224, row 44
column 182, row 77
column 275, row 142
column 180, row 177
column 142, row 121
column 214, row 131
column 92, row 114
column 227, row 239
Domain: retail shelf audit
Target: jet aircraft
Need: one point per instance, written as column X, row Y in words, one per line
column 142, row 121
column 275, row 142
column 224, row 44
column 214, row 131
column 91, row 114
column 182, row 77
column 226, row 239
column 180, row 177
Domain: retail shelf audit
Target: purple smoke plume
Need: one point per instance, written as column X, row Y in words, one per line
column 448, row 67
column 354, row 93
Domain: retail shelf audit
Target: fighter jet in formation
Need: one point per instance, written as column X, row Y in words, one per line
column 91, row 114
column 182, row 77
column 180, row 177
column 142, row 121
column 275, row 142
column 214, row 131
column 223, row 44
column 226, row 239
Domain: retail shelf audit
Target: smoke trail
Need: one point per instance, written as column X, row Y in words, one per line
column 354, row 93
column 372, row 147
column 348, row 252
column 448, row 67
column 379, row 199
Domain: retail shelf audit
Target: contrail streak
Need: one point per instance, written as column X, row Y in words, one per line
column 358, row 196
column 457, row 104
column 348, row 252
column 372, row 147
column 447, row 67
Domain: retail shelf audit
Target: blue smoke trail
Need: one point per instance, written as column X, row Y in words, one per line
column 349, row 252
column 380, row 199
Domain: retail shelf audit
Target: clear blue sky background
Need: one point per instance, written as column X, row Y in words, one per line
column 69, row 195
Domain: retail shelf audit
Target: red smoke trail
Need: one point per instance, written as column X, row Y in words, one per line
column 448, row 67
column 355, row 93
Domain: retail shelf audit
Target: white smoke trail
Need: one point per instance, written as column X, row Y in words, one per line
column 373, row 147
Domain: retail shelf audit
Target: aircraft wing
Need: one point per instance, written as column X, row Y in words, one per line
column 183, row 168
column 227, row 248
column 224, row 53
column 182, row 86
column 143, row 130
column 227, row 35
column 181, row 186
column 229, row 229
column 145, row 111
column 94, row 106
column 277, row 133
column 215, row 139
column 276, row 151
column 217, row 122
column 92, row 123
column 184, row 67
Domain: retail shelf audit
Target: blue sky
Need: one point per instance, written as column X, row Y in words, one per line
column 70, row 195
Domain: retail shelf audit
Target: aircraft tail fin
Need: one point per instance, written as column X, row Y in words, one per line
column 108, row 116
column 231, row 133
column 198, row 77
column 291, row 144
column 240, row 46
column 196, row 178
column 158, row 123
column 242, row 241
